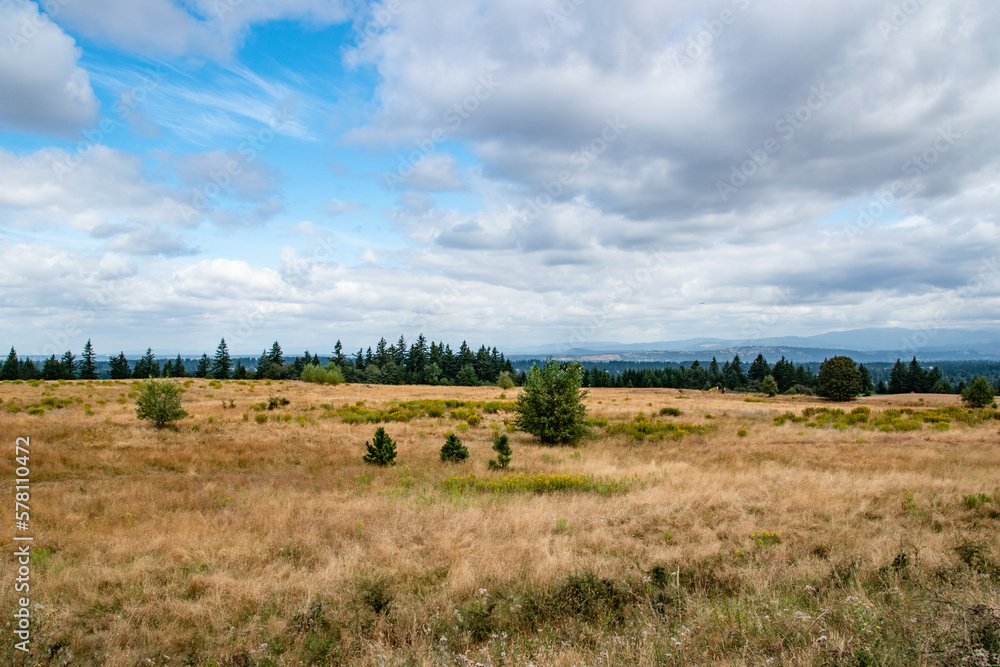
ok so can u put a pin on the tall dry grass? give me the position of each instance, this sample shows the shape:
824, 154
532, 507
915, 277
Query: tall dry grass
226, 541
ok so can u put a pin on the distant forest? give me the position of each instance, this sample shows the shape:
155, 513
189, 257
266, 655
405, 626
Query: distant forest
428, 362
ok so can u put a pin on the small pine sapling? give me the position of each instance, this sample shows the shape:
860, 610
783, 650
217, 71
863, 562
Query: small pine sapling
382, 450
501, 446
453, 450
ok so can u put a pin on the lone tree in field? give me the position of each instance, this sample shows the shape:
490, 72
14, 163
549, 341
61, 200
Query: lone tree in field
501, 445
160, 402
382, 450
551, 405
979, 393
839, 379
88, 368
453, 449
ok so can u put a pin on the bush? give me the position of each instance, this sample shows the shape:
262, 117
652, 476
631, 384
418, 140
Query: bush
673, 412
160, 402
501, 445
505, 381
839, 379
453, 450
769, 386
330, 374
382, 451
551, 405
979, 393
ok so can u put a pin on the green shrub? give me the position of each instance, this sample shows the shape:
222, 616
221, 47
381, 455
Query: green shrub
551, 406
329, 374
453, 450
505, 381
769, 386
260, 419
672, 412
160, 402
979, 393
975, 500
276, 401
382, 451
641, 428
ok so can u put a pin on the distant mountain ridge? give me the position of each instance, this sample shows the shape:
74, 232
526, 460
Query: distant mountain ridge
873, 344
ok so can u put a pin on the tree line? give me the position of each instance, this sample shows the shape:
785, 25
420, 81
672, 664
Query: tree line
422, 362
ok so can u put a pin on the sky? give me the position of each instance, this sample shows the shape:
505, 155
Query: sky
507, 172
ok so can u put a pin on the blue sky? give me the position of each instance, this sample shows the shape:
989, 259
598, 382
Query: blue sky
508, 172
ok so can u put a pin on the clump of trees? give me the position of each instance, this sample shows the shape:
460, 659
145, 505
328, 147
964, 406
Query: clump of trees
551, 406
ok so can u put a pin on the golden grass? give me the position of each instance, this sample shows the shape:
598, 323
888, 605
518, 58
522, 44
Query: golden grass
203, 545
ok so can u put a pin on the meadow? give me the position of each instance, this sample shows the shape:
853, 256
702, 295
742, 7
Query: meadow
690, 528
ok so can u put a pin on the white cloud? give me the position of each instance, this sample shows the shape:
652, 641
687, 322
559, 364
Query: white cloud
335, 207
44, 88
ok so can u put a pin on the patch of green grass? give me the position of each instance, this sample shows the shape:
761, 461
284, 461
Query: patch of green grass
765, 538
539, 483
641, 428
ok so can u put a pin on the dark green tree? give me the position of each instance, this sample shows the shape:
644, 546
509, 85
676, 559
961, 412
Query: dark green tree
88, 367
147, 366
67, 365
916, 378
759, 370
867, 386
240, 372
119, 368
179, 370
453, 450
979, 393
839, 379
551, 406
899, 380
204, 367
382, 450
51, 369
159, 402
222, 364
29, 371
11, 368
501, 445
467, 376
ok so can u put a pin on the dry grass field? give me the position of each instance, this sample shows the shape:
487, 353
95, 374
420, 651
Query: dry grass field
249, 536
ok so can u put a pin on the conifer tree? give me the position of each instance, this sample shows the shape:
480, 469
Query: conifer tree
204, 366
453, 450
11, 368
382, 449
222, 364
88, 368
51, 369
501, 445
120, 368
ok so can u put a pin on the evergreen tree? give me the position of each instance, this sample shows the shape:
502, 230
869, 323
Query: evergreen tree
51, 370
839, 379
453, 450
160, 402
147, 366
382, 450
222, 364
916, 378
179, 370
67, 365
359, 360
11, 368
467, 376
737, 374
715, 377
501, 446
881, 389
28, 370
338, 355
551, 406
204, 366
88, 368
979, 393
769, 386
784, 374
867, 386
899, 380
119, 368
240, 373
759, 369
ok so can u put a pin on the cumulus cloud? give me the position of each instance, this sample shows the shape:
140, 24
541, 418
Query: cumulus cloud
44, 88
